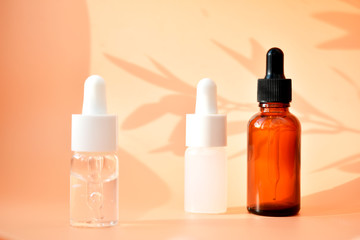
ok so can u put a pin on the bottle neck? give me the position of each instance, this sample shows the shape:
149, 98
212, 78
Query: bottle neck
274, 107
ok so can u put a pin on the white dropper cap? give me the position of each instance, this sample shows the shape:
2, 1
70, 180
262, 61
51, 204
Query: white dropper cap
94, 130
206, 128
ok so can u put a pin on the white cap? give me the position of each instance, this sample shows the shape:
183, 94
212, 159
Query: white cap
94, 130
206, 128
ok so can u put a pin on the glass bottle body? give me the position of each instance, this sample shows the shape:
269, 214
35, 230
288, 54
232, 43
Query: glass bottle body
205, 180
94, 189
274, 161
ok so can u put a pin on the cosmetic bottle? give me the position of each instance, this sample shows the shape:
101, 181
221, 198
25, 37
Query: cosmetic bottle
94, 164
205, 157
274, 146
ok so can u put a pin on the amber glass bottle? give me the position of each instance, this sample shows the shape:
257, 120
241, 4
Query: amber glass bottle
274, 146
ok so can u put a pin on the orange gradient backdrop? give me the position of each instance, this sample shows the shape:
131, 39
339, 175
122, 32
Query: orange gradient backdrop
152, 54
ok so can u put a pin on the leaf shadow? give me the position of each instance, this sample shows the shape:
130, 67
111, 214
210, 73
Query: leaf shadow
167, 80
308, 113
349, 164
254, 63
348, 80
176, 143
147, 113
179, 104
347, 23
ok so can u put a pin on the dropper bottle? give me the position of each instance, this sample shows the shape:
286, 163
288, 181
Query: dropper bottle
274, 145
94, 164
205, 157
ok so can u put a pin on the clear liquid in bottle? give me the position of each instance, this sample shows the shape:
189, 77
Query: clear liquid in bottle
93, 190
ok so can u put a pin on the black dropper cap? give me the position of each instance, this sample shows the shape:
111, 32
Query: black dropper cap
274, 87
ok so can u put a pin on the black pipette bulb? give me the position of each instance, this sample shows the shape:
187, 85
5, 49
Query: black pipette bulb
274, 87
275, 64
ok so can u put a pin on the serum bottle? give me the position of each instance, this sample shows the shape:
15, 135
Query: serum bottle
94, 165
205, 157
274, 146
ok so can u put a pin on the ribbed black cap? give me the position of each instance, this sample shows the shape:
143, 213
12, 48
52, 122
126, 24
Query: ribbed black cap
274, 87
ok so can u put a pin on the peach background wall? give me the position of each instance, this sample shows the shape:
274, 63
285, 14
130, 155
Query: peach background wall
152, 54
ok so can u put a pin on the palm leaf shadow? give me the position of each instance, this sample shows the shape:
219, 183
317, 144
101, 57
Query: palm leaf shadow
349, 164
176, 142
345, 21
355, 3
179, 103
254, 64
147, 113
309, 113
169, 81
348, 79
136, 119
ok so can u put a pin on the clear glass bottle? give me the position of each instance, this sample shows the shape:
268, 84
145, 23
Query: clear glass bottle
93, 189
94, 165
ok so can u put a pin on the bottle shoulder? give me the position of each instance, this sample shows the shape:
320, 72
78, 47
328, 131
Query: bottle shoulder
254, 118
260, 119
94, 154
294, 119
85, 157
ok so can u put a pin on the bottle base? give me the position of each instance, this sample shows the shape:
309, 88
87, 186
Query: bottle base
92, 224
274, 211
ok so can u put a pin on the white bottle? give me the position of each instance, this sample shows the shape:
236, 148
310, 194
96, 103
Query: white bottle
205, 157
94, 165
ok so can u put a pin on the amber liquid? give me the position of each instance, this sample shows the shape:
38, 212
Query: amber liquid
274, 161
